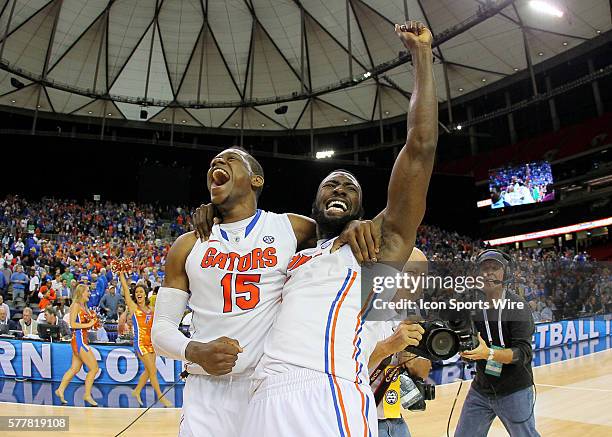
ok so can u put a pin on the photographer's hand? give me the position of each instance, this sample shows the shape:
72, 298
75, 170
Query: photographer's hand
416, 366
406, 334
480, 353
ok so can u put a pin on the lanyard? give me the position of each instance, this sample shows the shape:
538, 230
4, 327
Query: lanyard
499, 324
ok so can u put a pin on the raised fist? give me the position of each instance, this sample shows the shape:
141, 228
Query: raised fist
414, 34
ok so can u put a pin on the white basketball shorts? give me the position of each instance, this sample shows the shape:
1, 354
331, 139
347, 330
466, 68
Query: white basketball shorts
214, 406
306, 403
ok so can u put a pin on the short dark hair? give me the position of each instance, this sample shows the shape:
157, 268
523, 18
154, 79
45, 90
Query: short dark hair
50, 310
343, 171
255, 167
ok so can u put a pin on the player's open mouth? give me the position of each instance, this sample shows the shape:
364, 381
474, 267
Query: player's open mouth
336, 205
219, 177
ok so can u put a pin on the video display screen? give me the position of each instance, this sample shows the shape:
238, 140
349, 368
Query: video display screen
521, 185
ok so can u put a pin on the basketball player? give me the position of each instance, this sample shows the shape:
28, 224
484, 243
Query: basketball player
313, 377
235, 279
81, 319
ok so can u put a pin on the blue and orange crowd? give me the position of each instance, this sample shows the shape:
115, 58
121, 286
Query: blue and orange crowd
49, 246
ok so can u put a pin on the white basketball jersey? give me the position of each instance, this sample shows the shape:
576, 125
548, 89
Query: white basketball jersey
236, 279
320, 324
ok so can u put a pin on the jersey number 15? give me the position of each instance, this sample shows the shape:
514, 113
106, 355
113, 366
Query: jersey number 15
245, 291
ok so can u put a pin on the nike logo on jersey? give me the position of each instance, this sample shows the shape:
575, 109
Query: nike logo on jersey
256, 259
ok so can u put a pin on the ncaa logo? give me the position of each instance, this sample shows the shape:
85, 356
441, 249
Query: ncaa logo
326, 244
269, 239
391, 397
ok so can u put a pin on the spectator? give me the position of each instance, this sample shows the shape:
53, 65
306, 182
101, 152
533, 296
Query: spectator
63, 291
110, 301
47, 295
7, 310
52, 319
61, 307
537, 317
18, 248
546, 313
3, 283
607, 303
67, 276
5, 325
71, 288
18, 283
592, 306
6, 272
124, 324
94, 297
34, 282
28, 326
56, 283
153, 296
99, 335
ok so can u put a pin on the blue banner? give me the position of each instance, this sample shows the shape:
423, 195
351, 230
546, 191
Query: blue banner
37, 360
106, 395
570, 331
42, 361
451, 372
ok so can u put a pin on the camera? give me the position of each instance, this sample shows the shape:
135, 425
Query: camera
414, 392
443, 339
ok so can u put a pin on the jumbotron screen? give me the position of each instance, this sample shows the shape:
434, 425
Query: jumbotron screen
521, 185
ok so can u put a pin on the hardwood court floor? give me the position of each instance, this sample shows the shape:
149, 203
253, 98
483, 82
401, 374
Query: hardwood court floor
574, 399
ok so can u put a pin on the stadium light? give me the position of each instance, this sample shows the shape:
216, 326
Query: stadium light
459, 127
551, 232
367, 74
325, 154
546, 8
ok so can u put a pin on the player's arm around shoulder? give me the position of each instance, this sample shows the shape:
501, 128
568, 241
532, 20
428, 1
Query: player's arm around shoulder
305, 230
360, 235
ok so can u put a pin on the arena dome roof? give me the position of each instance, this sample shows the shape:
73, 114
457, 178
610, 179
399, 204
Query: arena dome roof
236, 63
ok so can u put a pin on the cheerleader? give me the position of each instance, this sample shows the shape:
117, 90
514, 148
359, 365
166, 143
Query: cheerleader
138, 305
81, 320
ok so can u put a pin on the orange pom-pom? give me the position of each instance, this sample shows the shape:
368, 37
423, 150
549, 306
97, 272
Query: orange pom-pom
121, 265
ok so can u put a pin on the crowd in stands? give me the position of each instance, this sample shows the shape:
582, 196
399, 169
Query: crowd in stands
50, 246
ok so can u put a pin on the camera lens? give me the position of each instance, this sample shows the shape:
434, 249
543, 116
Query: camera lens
443, 343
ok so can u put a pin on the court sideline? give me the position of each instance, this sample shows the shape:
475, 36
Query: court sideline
573, 398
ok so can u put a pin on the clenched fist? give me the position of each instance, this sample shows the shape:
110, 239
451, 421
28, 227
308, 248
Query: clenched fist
414, 34
217, 357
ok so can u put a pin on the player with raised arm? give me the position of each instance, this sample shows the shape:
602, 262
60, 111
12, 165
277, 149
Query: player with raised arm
232, 282
313, 376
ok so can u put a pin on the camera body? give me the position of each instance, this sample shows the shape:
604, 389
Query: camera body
414, 392
444, 339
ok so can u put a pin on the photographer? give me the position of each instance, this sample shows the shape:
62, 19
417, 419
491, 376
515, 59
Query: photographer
389, 358
386, 357
503, 385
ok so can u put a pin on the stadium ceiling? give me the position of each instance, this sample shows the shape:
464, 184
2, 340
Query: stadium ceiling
236, 64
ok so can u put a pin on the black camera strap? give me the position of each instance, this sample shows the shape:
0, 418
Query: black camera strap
381, 367
386, 379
